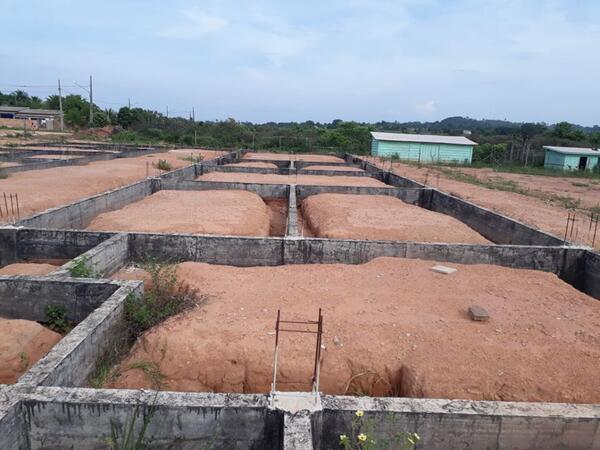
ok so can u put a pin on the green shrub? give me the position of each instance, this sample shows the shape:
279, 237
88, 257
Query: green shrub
166, 298
57, 319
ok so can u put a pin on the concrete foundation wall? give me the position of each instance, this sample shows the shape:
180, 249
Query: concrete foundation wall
263, 190
83, 419
493, 226
74, 358
104, 260
590, 274
26, 297
8, 246
79, 214
228, 250
241, 169
462, 424
55, 244
413, 196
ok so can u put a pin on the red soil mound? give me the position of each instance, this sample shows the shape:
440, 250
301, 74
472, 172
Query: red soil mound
263, 165
391, 326
239, 213
27, 269
336, 168
342, 216
22, 344
39, 190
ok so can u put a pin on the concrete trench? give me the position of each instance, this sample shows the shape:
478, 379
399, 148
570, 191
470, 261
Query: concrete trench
49, 407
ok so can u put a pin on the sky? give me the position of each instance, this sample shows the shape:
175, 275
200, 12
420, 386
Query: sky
363, 60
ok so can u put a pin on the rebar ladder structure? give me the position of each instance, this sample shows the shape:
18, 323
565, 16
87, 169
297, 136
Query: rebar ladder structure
319, 332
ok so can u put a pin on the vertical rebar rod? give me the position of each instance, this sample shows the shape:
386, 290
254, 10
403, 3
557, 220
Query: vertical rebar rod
275, 356
12, 208
595, 230
567, 228
572, 225
18, 211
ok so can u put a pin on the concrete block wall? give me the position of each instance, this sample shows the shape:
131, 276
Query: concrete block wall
80, 213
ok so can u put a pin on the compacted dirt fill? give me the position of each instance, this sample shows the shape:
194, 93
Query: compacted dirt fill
22, 344
336, 168
28, 269
261, 165
39, 190
391, 326
238, 213
344, 216
278, 209
314, 180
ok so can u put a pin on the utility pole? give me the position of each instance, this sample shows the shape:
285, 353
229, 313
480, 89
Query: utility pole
193, 115
129, 103
62, 120
167, 112
91, 104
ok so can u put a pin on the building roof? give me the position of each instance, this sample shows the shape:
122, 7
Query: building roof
424, 138
29, 111
581, 151
11, 109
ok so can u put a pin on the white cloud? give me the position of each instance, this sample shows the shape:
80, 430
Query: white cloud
428, 107
195, 25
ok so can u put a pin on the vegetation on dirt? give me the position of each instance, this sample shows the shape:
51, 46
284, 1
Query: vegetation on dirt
167, 297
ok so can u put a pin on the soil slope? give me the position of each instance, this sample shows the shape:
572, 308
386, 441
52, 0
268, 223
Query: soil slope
391, 326
238, 213
342, 216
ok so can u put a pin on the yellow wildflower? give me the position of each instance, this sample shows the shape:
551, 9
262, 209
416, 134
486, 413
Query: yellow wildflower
362, 437
359, 413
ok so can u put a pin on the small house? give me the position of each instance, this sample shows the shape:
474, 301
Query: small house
570, 158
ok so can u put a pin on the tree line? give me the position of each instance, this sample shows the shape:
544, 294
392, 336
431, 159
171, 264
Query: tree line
500, 141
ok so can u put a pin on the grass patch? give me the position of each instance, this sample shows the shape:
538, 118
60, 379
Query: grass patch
195, 159
151, 371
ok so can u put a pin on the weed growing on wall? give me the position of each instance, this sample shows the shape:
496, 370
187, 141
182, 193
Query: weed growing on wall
57, 319
81, 269
362, 436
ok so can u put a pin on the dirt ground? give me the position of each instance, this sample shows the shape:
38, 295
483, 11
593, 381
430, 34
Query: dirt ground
342, 216
9, 164
391, 327
22, 344
28, 268
227, 212
335, 168
293, 157
278, 211
263, 165
322, 180
538, 213
39, 190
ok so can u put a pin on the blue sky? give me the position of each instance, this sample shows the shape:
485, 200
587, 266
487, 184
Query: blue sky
362, 60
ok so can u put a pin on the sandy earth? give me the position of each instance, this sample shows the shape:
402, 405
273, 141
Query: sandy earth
343, 216
263, 165
39, 190
278, 210
22, 344
227, 212
586, 190
28, 269
530, 210
292, 157
391, 326
336, 168
322, 180
9, 164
